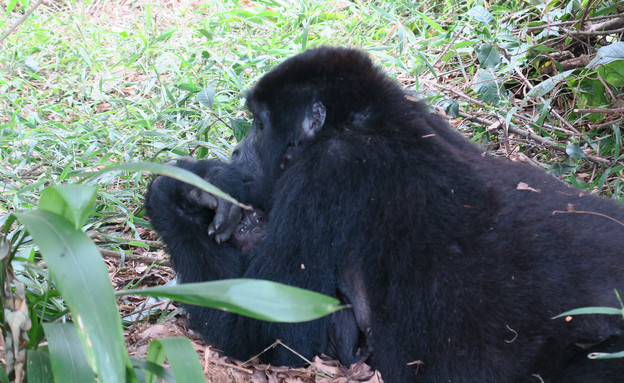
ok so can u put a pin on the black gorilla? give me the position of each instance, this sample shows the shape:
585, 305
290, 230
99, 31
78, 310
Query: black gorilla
250, 231
452, 265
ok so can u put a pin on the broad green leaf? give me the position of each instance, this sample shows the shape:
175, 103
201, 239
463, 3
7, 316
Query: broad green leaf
205, 33
481, 14
486, 86
547, 85
574, 151
74, 202
78, 271
613, 73
173, 172
239, 128
153, 368
265, 300
67, 357
608, 54
182, 358
592, 93
488, 56
592, 310
451, 107
38, 368
206, 96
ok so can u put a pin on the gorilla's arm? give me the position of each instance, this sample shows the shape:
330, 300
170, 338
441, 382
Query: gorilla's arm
183, 215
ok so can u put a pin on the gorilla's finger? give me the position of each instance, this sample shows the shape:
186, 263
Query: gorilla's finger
225, 222
208, 200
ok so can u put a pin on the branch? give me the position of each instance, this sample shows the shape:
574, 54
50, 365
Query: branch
134, 257
600, 110
31, 10
533, 137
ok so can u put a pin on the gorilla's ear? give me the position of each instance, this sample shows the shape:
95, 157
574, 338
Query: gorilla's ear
313, 121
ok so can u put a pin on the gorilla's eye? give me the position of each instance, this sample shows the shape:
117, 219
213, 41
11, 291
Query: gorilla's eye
259, 218
260, 125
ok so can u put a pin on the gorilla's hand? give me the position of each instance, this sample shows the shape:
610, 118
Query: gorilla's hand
227, 216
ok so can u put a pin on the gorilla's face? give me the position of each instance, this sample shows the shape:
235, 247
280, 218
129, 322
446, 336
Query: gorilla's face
273, 140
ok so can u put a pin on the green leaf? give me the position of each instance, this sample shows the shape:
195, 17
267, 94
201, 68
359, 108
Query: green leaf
68, 359
182, 358
488, 56
613, 73
608, 54
74, 202
574, 151
265, 300
173, 172
547, 85
206, 96
38, 368
78, 271
205, 33
40, 365
10, 6
591, 310
153, 368
592, 92
605, 355
240, 127
165, 35
188, 87
451, 107
481, 14
486, 86
430, 21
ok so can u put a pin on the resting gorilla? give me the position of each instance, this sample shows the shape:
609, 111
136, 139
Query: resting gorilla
453, 269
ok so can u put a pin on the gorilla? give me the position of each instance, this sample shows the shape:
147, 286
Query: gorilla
453, 262
250, 231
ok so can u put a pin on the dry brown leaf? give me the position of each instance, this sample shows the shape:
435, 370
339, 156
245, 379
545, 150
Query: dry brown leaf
525, 186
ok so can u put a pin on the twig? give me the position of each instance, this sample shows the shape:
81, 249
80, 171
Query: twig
600, 110
533, 137
448, 46
514, 129
221, 363
587, 212
275, 344
31, 10
554, 112
571, 22
602, 125
572, 63
585, 13
476, 102
594, 33
134, 257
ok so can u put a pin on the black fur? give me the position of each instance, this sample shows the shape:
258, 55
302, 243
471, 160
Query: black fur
447, 262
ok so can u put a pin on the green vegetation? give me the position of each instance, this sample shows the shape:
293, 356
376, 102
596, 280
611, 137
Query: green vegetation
85, 86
